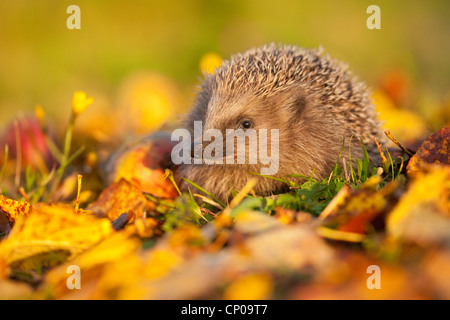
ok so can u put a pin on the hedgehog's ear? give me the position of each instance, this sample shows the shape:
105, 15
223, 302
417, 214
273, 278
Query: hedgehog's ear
297, 105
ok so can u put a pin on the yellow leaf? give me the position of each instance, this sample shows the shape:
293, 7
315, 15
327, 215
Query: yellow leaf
424, 210
253, 222
404, 124
100, 266
113, 248
257, 286
13, 208
188, 235
52, 228
161, 262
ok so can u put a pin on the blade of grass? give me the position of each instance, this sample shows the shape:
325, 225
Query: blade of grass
290, 183
196, 208
208, 200
5, 161
160, 201
391, 164
365, 163
359, 167
204, 191
53, 148
336, 166
75, 155
401, 167
352, 171
308, 178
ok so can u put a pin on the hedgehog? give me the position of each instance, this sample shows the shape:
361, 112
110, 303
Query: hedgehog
313, 101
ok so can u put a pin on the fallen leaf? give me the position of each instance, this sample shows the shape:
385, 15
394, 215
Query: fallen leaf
346, 279
434, 150
252, 222
254, 286
143, 163
436, 266
12, 290
355, 211
119, 248
13, 208
405, 125
50, 229
422, 215
291, 247
119, 198
289, 216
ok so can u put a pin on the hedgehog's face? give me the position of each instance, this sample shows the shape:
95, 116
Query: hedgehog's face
251, 124
281, 110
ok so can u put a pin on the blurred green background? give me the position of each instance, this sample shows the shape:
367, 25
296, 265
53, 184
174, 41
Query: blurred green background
43, 62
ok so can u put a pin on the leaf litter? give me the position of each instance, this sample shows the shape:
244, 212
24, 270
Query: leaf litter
138, 238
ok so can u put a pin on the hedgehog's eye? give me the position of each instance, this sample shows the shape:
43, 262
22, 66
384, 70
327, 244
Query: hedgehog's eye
246, 124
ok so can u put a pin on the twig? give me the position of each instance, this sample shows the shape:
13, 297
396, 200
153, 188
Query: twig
388, 134
24, 195
380, 151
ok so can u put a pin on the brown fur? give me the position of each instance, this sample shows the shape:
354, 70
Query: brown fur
312, 99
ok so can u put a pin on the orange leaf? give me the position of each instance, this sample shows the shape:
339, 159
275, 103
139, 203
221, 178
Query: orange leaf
143, 163
121, 197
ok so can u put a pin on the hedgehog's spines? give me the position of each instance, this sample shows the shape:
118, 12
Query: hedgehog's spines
271, 68
313, 99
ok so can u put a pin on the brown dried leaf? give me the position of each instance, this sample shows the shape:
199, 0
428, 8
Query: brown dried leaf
434, 150
121, 197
